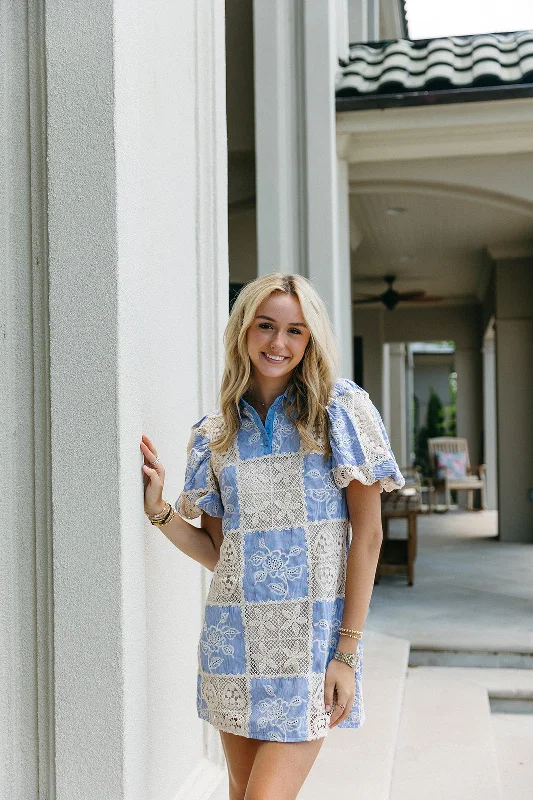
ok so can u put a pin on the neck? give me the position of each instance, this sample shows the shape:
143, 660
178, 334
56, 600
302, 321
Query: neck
265, 392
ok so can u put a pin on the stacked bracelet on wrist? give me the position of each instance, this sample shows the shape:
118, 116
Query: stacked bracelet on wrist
351, 659
163, 517
350, 633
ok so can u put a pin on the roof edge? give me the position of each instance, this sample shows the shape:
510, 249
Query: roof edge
436, 97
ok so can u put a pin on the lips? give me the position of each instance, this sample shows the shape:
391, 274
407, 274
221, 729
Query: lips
274, 360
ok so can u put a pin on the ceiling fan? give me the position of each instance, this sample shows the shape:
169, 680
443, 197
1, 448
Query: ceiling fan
390, 297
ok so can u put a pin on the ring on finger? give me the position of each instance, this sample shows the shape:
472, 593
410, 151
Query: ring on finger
153, 463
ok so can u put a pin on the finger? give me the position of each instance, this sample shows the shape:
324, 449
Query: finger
329, 687
149, 454
344, 706
337, 712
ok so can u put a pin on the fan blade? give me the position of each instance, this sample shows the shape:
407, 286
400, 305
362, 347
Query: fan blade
363, 295
429, 299
375, 299
411, 295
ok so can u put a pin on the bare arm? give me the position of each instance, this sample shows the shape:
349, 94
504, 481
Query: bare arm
201, 544
364, 507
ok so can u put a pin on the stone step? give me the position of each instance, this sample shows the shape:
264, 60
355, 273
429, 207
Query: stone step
513, 735
474, 658
358, 763
445, 748
501, 684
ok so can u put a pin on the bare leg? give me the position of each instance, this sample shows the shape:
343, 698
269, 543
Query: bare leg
240, 753
280, 769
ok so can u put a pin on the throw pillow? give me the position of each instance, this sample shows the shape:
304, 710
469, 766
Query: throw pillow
450, 465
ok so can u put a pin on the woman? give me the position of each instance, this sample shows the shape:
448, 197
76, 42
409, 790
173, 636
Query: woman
292, 460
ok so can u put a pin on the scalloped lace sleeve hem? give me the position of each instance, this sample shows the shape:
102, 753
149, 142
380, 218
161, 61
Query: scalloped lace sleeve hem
192, 504
345, 473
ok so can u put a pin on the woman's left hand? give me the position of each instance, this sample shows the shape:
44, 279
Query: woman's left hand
339, 690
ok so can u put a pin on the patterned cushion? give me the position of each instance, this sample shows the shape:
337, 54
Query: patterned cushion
450, 465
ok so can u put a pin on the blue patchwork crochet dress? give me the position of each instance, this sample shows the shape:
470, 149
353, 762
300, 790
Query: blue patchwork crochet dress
276, 597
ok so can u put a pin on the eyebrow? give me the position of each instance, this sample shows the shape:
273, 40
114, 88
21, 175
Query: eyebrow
263, 316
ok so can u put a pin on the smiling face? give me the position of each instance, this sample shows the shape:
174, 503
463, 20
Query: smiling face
277, 339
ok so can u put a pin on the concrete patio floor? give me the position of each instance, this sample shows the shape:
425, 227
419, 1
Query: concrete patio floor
470, 591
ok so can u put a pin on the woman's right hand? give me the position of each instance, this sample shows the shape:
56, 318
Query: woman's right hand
153, 478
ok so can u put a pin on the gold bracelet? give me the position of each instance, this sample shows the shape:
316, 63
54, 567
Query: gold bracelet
351, 659
350, 631
162, 514
170, 515
350, 636
163, 517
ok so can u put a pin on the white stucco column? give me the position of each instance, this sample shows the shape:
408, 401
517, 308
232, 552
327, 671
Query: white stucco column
138, 296
409, 399
398, 402
358, 19
489, 418
468, 366
344, 273
279, 136
514, 382
385, 379
302, 190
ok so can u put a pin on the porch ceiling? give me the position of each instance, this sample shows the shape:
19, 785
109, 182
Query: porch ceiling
437, 244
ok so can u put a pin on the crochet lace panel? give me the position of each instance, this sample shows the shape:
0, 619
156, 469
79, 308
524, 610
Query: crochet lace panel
228, 700
279, 641
226, 583
271, 493
327, 558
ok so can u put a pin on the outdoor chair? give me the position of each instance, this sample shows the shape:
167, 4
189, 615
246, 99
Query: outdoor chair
451, 462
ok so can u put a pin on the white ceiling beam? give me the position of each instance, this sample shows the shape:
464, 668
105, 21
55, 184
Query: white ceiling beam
462, 129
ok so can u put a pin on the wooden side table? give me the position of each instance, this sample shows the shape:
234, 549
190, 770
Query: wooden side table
397, 556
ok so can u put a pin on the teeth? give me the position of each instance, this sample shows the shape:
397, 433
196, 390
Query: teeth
274, 358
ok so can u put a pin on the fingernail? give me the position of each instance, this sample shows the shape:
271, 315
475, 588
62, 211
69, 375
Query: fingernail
328, 709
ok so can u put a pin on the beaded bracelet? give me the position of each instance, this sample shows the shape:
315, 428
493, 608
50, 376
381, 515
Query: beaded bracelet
351, 633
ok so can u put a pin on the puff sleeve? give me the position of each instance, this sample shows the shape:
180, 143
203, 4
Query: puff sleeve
201, 491
359, 442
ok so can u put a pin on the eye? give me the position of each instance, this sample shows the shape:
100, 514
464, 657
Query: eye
265, 325
295, 330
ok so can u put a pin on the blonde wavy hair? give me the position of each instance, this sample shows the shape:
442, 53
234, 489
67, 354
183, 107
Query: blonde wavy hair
313, 378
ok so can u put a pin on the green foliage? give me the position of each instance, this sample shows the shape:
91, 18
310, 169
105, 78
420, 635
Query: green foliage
451, 410
435, 426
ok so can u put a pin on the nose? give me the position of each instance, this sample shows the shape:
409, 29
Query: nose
277, 342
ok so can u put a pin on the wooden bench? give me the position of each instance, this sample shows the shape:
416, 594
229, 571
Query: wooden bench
397, 556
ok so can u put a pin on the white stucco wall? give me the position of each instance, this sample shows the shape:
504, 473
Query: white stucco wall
132, 292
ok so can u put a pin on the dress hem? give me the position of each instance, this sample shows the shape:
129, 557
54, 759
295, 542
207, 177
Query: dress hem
225, 729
